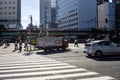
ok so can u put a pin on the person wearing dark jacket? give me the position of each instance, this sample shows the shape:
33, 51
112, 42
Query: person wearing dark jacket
76, 43
20, 46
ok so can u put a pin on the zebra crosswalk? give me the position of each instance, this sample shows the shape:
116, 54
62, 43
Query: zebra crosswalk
43, 69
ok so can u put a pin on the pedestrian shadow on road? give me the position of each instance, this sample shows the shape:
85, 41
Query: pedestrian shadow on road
107, 58
14, 50
5, 47
27, 53
53, 52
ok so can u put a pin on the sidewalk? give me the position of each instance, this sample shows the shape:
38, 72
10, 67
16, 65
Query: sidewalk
9, 49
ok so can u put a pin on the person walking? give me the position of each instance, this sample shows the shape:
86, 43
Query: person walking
5, 42
26, 45
20, 45
16, 46
76, 43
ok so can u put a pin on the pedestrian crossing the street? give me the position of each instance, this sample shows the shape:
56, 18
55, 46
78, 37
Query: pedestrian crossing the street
43, 69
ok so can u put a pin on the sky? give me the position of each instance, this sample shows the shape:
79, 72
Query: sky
29, 7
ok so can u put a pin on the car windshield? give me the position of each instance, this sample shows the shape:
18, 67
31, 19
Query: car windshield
93, 42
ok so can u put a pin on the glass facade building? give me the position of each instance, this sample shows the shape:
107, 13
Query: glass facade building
76, 14
47, 14
117, 14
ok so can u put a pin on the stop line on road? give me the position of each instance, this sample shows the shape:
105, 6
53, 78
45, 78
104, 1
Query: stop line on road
45, 69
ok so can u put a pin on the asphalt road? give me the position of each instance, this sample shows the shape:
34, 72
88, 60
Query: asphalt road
71, 64
107, 65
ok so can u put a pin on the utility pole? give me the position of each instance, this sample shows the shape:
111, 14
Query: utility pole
31, 19
31, 27
31, 22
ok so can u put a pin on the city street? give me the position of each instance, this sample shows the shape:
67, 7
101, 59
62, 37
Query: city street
37, 39
71, 64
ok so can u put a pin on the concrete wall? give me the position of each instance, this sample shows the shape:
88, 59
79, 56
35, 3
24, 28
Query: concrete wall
106, 15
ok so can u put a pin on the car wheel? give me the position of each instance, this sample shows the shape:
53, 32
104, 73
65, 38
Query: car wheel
45, 50
63, 48
98, 54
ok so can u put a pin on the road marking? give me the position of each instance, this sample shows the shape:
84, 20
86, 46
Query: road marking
58, 76
70, 60
32, 66
38, 69
98, 78
34, 63
47, 72
45, 69
23, 62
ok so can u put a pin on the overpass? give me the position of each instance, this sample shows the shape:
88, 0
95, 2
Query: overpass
81, 34
53, 32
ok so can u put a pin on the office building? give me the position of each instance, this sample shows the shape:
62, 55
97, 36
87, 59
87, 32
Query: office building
10, 13
106, 16
47, 13
117, 13
54, 24
77, 14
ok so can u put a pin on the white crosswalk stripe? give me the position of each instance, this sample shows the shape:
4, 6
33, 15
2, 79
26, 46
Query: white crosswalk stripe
99, 78
42, 73
61, 76
40, 63
31, 66
44, 69
33, 69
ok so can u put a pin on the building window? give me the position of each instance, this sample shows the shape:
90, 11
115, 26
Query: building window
1, 13
5, 3
14, 2
9, 7
5, 7
14, 7
5, 13
9, 2
9, 13
1, 2
13, 12
1, 8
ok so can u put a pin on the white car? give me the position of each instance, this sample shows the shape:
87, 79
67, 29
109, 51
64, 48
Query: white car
89, 40
101, 47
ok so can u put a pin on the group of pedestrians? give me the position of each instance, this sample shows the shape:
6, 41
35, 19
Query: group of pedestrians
18, 45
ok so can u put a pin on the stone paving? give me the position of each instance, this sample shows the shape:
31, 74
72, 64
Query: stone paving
9, 49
